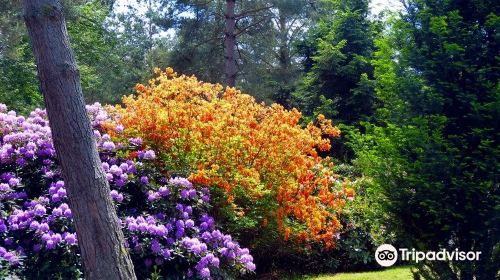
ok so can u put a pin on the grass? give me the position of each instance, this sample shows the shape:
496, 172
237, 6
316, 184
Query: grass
397, 273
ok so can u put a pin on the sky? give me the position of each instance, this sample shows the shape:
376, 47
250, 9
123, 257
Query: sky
121, 5
376, 6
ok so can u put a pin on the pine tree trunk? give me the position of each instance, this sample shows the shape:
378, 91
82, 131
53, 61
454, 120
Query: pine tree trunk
230, 44
100, 238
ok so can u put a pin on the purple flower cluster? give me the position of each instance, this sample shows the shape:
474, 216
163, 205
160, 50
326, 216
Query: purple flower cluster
186, 232
165, 221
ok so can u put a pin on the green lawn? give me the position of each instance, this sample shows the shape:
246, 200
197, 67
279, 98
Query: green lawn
398, 273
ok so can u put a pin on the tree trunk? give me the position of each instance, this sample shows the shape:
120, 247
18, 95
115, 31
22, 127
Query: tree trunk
100, 238
284, 62
230, 43
284, 59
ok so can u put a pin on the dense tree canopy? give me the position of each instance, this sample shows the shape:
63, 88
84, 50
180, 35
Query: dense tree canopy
338, 50
437, 73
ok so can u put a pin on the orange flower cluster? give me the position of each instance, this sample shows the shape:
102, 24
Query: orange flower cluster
254, 152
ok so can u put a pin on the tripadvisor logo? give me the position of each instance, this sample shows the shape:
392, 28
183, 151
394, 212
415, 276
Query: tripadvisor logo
387, 255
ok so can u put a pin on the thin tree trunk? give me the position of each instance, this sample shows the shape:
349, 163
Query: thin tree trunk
284, 62
230, 44
284, 59
100, 238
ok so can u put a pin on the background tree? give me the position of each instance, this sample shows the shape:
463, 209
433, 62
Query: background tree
18, 88
227, 21
119, 47
339, 76
100, 238
270, 60
198, 47
337, 57
434, 152
108, 59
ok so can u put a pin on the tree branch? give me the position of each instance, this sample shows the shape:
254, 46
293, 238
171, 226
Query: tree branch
248, 27
253, 11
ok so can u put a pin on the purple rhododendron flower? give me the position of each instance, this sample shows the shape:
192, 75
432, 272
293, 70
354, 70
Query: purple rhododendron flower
205, 272
149, 155
37, 217
108, 145
135, 141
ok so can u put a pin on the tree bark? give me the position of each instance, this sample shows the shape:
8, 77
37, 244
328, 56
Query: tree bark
100, 238
230, 43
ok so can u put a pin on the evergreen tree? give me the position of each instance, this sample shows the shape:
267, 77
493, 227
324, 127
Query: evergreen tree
18, 84
108, 67
339, 76
199, 45
337, 54
270, 54
434, 152
265, 34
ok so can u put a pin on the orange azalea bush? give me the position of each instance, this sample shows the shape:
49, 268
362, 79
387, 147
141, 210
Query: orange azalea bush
265, 163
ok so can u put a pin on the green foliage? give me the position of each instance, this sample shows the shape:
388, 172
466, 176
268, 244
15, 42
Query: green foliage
199, 46
337, 57
266, 32
365, 225
108, 67
273, 68
51, 265
18, 84
339, 76
433, 151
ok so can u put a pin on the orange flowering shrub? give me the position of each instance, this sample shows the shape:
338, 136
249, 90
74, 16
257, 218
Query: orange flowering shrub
266, 164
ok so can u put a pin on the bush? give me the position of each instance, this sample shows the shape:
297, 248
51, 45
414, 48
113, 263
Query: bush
364, 227
271, 182
428, 204
165, 220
